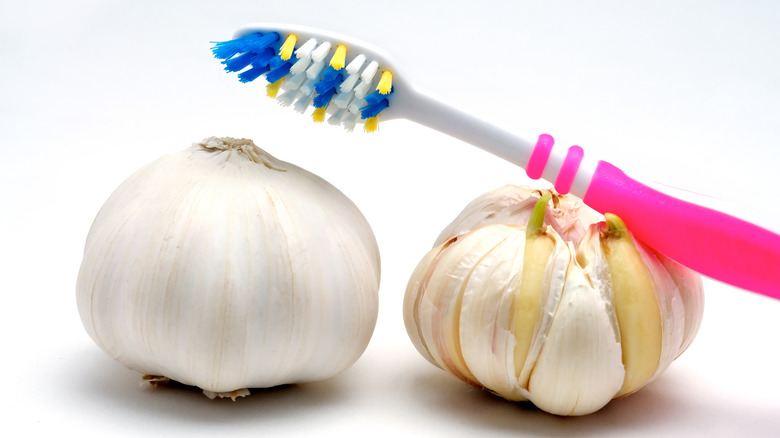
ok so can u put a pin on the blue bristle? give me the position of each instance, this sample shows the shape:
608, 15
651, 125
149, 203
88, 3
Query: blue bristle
376, 97
263, 58
331, 74
324, 85
373, 109
238, 63
252, 74
279, 72
253, 42
227, 49
322, 100
331, 78
277, 62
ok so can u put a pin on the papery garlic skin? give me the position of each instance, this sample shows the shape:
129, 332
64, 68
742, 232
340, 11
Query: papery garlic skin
511, 204
460, 307
224, 268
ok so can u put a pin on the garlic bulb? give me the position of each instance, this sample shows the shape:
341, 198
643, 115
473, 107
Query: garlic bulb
224, 268
567, 311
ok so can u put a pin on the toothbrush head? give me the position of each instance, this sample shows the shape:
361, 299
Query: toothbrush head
340, 79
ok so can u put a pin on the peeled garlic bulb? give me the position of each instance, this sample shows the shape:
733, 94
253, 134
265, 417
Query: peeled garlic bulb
224, 268
550, 304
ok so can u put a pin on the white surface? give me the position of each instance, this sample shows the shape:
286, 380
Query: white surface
684, 92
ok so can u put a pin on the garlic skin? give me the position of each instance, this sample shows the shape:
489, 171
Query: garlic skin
222, 267
511, 204
568, 315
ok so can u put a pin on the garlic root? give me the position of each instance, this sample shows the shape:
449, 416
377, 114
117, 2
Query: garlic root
233, 395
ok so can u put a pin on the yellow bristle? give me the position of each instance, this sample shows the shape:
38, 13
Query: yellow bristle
339, 57
319, 114
273, 89
385, 82
286, 51
371, 124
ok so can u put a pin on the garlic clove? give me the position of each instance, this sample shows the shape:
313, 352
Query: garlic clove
579, 368
636, 306
411, 306
691, 298
440, 301
486, 334
530, 296
670, 303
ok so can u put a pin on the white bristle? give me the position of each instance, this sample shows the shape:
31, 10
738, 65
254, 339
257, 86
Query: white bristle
294, 82
342, 99
335, 119
350, 82
305, 50
315, 69
319, 54
303, 103
308, 86
370, 71
356, 104
356, 64
288, 97
300, 65
349, 121
362, 89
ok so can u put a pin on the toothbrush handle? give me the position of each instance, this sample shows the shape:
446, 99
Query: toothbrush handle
712, 243
715, 244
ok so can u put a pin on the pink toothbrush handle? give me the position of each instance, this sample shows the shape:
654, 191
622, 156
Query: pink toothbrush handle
712, 243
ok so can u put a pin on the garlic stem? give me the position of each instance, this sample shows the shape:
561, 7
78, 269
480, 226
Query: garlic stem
614, 223
536, 221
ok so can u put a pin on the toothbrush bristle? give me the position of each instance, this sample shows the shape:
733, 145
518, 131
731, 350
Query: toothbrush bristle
371, 123
252, 74
331, 79
287, 97
286, 51
272, 89
319, 114
375, 103
240, 62
278, 72
385, 82
249, 43
354, 67
305, 49
339, 58
322, 100
316, 76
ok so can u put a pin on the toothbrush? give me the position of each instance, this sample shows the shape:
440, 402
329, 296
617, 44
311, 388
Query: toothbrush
352, 83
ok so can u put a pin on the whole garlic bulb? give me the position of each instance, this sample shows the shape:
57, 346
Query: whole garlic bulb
550, 305
224, 268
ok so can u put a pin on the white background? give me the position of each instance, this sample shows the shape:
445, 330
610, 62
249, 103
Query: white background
686, 93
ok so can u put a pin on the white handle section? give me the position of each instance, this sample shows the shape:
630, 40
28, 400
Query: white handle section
432, 112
